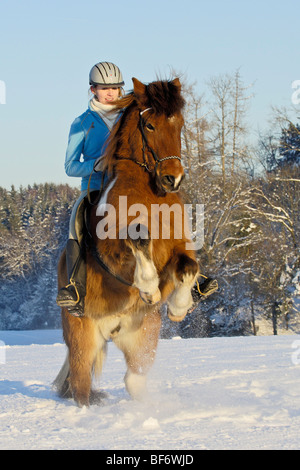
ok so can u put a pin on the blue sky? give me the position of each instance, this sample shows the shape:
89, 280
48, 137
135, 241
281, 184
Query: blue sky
48, 47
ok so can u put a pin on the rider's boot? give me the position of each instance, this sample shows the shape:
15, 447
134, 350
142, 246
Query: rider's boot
72, 296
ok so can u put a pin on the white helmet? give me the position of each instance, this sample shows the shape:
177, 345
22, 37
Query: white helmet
106, 73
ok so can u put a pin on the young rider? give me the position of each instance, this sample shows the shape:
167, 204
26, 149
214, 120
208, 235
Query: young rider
87, 138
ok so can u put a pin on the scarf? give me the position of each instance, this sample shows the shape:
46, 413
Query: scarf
104, 111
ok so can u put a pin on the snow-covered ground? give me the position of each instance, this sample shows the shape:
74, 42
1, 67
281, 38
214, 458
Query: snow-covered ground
212, 393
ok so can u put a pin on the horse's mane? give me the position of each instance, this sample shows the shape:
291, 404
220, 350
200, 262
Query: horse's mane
163, 97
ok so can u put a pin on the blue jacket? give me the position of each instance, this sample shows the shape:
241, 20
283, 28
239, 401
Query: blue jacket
87, 138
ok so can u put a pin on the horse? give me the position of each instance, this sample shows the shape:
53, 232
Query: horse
132, 269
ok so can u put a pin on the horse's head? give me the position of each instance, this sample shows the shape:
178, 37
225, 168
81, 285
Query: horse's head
160, 121
148, 132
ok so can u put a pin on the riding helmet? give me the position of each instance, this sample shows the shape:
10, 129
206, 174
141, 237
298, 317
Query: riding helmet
107, 74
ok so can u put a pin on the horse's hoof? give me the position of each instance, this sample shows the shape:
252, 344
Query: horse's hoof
177, 318
97, 397
151, 299
82, 403
81, 400
135, 385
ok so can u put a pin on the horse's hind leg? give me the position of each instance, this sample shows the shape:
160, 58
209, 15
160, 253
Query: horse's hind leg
82, 339
139, 347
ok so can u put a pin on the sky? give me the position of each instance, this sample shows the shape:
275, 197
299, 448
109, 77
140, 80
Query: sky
47, 49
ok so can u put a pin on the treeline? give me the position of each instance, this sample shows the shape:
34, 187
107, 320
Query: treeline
33, 231
251, 197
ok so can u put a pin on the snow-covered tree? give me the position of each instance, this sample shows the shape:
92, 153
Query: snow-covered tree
33, 231
289, 149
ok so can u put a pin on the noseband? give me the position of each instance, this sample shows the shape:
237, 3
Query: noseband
145, 144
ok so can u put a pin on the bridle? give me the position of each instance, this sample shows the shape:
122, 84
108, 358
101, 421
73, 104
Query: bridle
157, 160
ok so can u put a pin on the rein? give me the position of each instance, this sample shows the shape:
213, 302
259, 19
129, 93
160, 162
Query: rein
97, 256
92, 247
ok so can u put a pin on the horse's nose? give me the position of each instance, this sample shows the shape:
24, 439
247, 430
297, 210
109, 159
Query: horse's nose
169, 180
170, 183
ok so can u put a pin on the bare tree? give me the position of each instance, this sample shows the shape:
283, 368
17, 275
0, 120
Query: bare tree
229, 109
239, 129
196, 126
222, 114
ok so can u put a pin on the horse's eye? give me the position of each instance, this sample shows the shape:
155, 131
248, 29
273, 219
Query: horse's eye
149, 127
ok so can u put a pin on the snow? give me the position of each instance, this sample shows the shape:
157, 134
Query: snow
204, 393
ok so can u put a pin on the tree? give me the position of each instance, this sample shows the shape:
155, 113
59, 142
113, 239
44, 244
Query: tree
33, 231
228, 131
289, 149
276, 209
280, 148
195, 149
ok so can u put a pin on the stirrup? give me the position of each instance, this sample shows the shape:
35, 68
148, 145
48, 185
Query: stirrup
75, 308
68, 302
208, 287
73, 284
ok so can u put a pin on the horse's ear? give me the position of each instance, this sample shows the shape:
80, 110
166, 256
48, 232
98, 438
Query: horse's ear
177, 83
139, 90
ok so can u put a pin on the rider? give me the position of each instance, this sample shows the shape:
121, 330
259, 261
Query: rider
87, 138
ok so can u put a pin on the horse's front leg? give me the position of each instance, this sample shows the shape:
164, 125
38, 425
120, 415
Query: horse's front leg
145, 274
138, 341
185, 270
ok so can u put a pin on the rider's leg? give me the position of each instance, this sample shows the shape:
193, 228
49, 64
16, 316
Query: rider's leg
72, 295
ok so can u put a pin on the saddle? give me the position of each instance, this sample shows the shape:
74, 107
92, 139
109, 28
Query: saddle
82, 218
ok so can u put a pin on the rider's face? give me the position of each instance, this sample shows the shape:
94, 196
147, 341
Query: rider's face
105, 95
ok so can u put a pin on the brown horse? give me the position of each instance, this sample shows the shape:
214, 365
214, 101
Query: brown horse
134, 263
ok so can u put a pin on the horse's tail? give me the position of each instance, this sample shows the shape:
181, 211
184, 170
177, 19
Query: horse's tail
61, 384
99, 360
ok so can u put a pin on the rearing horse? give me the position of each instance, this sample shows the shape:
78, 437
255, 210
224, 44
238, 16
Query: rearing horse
134, 263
